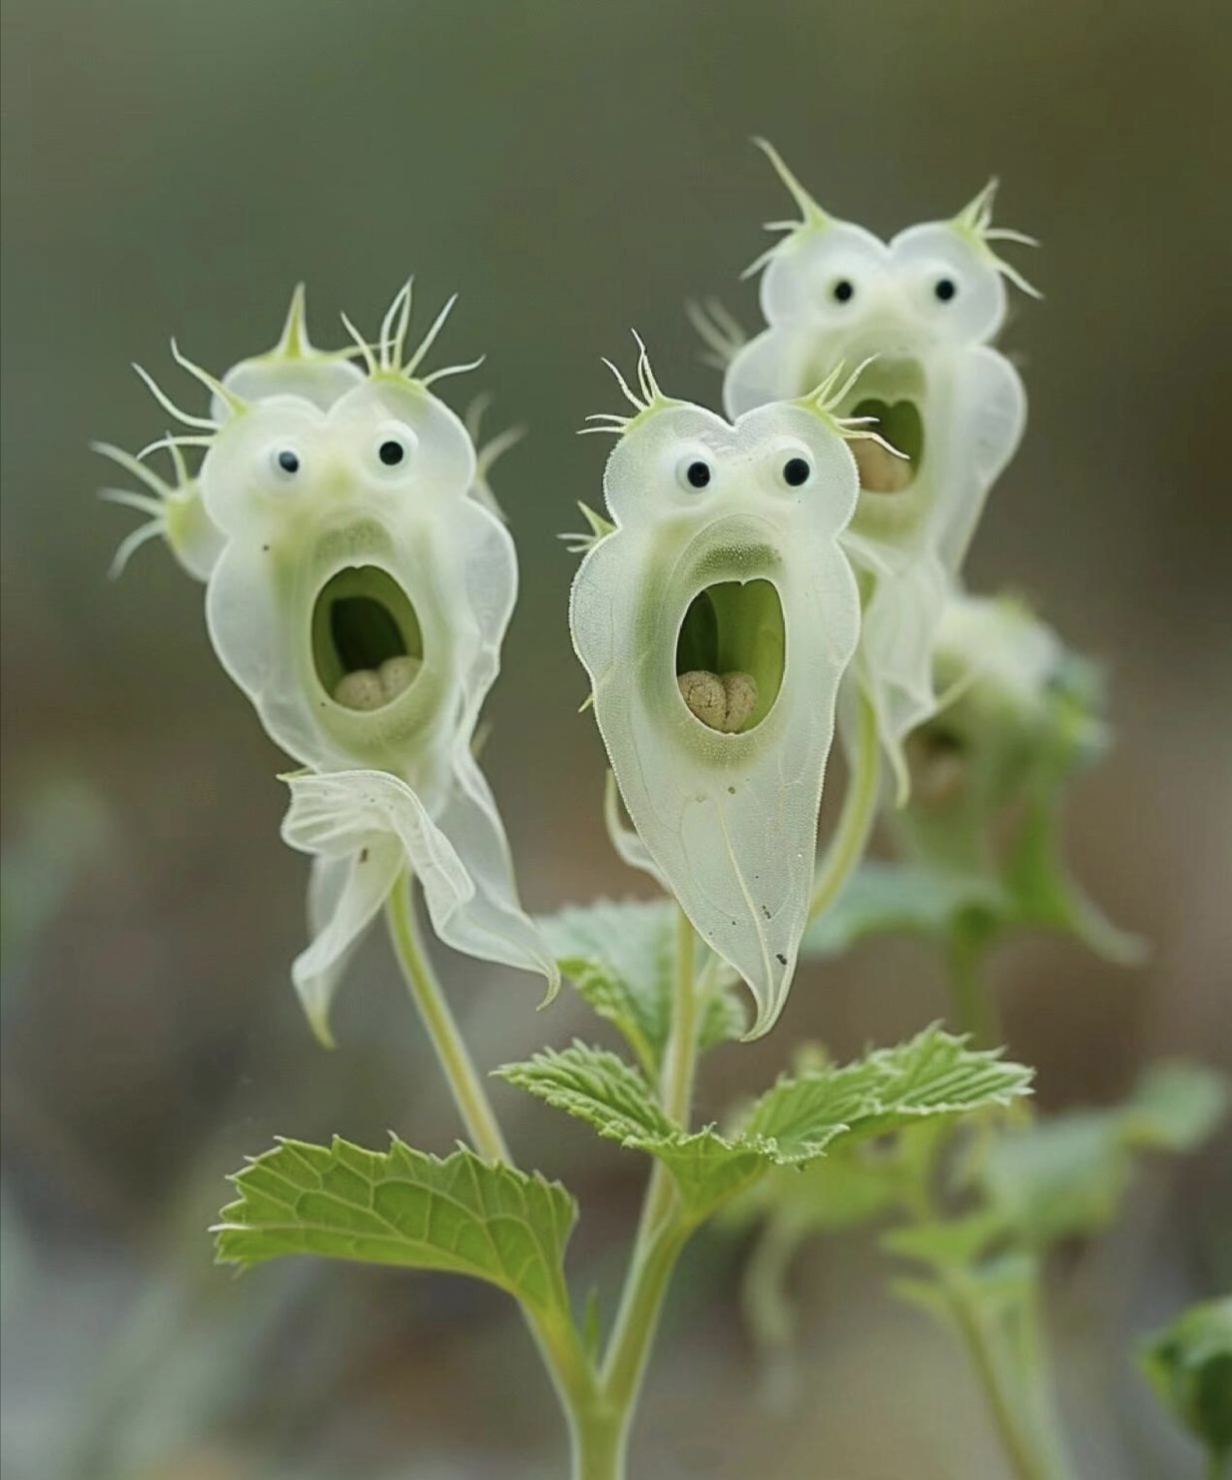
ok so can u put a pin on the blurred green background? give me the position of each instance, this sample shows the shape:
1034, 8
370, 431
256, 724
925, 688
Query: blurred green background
573, 170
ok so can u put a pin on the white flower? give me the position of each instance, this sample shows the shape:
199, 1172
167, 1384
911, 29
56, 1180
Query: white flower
360, 599
922, 309
996, 642
715, 620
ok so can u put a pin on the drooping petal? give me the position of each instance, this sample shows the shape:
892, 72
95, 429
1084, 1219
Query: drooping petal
495, 926
362, 816
344, 896
895, 666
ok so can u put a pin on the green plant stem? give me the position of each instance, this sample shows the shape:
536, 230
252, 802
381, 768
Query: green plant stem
557, 1340
1043, 1416
663, 1231
846, 846
982, 1353
468, 1089
1023, 1412
974, 1007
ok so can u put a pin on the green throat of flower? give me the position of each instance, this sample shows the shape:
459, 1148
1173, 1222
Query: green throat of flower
902, 426
367, 646
730, 655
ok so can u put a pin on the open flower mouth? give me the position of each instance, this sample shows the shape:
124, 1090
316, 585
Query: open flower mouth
367, 645
902, 426
730, 655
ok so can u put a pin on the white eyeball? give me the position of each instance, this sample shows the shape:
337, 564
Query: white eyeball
695, 472
393, 448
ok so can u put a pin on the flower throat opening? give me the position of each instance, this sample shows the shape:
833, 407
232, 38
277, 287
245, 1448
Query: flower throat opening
902, 426
366, 641
730, 654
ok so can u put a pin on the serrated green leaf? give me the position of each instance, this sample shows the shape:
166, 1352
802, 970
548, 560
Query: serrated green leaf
403, 1207
900, 899
597, 1086
620, 956
1190, 1367
933, 1074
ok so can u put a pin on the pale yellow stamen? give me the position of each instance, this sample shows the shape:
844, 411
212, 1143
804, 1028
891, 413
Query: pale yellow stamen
723, 701
360, 690
880, 471
365, 689
398, 674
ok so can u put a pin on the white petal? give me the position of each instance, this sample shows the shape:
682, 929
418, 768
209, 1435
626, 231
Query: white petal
898, 636
625, 840
472, 903
492, 925
776, 365
990, 415
344, 896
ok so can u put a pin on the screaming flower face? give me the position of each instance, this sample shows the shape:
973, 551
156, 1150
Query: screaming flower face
715, 621
918, 312
359, 595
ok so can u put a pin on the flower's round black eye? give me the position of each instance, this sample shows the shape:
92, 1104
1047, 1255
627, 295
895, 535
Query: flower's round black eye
843, 291
288, 461
945, 289
391, 453
698, 474
796, 471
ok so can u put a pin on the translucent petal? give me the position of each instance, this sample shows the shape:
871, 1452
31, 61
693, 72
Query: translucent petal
625, 840
344, 896
494, 926
729, 819
468, 889
989, 418
901, 620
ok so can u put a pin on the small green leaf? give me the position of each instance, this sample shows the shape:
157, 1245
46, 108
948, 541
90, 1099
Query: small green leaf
1062, 1176
934, 1073
795, 1122
403, 1207
900, 899
621, 957
597, 1086
1175, 1106
1190, 1367
956, 1243
1067, 1175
